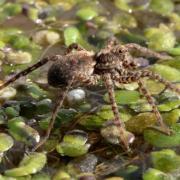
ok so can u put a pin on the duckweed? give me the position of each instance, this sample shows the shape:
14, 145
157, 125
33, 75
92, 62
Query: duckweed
174, 51
7, 93
61, 175
31, 30
11, 9
156, 175
125, 20
171, 117
6, 142
125, 97
30, 164
167, 72
22, 132
73, 35
19, 57
46, 37
169, 105
164, 7
137, 124
159, 139
160, 39
122, 4
86, 13
165, 160
74, 144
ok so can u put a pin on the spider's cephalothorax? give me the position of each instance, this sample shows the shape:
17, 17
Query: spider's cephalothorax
114, 63
112, 59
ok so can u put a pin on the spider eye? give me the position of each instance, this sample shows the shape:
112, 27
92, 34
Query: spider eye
73, 46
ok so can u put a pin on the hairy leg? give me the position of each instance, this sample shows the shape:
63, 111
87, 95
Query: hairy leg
73, 46
124, 78
151, 101
145, 51
154, 76
29, 70
92, 80
110, 88
136, 77
117, 121
57, 106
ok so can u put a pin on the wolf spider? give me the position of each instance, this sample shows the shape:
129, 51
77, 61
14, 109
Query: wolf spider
114, 63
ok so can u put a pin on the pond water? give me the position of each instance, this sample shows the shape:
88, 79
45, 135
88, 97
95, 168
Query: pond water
80, 145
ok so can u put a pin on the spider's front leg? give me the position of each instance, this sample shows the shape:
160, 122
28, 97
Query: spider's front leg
125, 137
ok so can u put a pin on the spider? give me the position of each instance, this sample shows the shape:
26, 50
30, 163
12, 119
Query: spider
113, 63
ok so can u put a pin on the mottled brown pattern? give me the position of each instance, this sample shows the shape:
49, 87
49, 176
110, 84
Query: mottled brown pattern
114, 63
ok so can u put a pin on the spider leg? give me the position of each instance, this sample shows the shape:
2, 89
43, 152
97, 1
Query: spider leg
29, 70
117, 121
145, 51
136, 77
125, 79
151, 101
92, 80
57, 106
73, 46
154, 76
110, 88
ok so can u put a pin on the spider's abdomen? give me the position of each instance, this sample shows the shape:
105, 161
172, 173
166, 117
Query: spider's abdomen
58, 76
74, 66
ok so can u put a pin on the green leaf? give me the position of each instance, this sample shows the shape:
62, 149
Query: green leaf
160, 39
73, 35
137, 124
86, 14
154, 174
125, 97
30, 164
73, 144
22, 132
158, 139
6, 142
164, 7
168, 73
165, 160
169, 105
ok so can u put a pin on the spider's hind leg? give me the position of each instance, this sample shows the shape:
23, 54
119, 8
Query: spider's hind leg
151, 101
157, 77
57, 106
